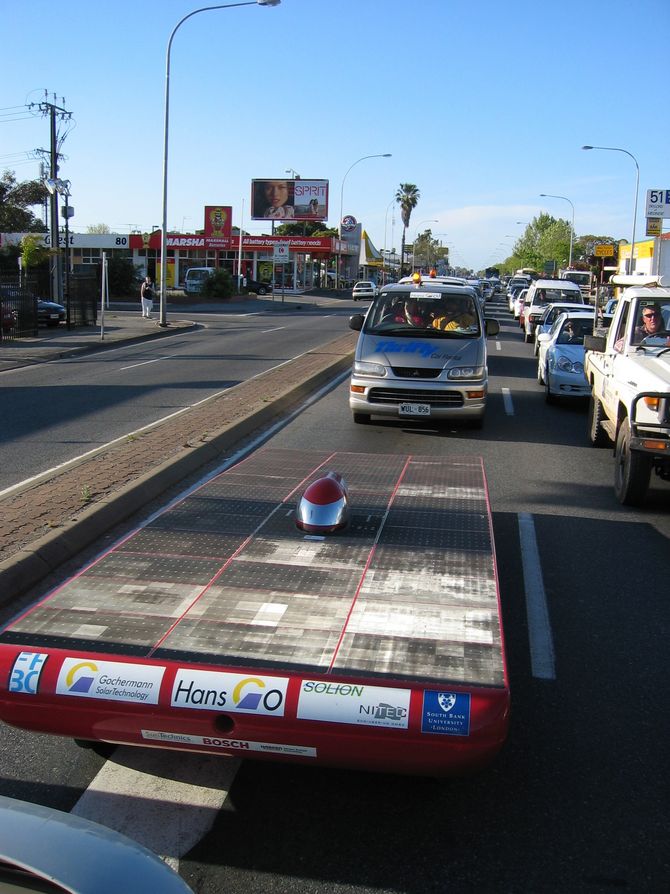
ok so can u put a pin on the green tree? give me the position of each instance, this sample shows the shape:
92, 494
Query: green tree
218, 285
15, 201
305, 228
407, 196
33, 251
123, 277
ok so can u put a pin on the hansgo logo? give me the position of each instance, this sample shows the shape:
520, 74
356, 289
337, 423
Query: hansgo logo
230, 692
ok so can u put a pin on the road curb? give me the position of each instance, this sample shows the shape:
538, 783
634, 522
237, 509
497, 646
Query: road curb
30, 565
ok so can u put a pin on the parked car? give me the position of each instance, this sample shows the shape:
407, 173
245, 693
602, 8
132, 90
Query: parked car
49, 312
560, 359
258, 287
8, 318
364, 289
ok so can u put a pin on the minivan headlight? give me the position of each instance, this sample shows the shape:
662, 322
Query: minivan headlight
363, 368
466, 372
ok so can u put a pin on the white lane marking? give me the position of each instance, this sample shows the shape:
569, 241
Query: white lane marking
539, 626
165, 800
76, 459
146, 362
498, 346
507, 400
276, 329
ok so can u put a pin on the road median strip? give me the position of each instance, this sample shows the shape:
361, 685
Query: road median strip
52, 520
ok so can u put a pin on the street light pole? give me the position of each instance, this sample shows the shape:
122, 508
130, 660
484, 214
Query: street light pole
546, 195
631, 268
339, 225
163, 295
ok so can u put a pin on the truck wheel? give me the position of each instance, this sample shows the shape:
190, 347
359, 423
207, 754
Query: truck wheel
598, 437
632, 470
362, 418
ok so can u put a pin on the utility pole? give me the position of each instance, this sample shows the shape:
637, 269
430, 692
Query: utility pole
54, 112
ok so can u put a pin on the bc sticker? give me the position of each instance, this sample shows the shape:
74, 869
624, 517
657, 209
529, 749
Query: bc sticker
26, 672
446, 712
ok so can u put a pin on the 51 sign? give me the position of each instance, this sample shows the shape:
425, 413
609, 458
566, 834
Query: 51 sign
658, 203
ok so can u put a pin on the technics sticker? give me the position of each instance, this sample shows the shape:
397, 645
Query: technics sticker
353, 703
211, 690
110, 680
446, 712
233, 744
26, 671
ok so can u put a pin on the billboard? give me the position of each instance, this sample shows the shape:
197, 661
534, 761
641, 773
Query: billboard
218, 221
287, 200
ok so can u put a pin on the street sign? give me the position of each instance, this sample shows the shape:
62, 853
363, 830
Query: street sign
604, 251
654, 226
280, 253
658, 203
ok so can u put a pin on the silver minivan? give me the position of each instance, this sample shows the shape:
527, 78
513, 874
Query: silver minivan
421, 354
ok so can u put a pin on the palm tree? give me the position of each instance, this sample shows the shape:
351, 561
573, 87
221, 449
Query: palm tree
407, 197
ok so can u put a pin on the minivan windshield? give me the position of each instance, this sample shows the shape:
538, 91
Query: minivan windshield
551, 296
415, 313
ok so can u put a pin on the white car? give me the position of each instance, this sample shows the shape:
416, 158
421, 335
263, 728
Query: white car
550, 315
519, 302
548, 291
363, 290
560, 359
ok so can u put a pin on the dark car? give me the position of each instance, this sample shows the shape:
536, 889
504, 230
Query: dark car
260, 288
49, 312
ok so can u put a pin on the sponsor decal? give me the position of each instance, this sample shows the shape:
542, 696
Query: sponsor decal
235, 693
423, 348
110, 680
231, 744
354, 703
447, 713
26, 671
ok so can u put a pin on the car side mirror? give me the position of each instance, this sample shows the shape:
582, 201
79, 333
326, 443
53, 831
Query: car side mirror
542, 336
492, 327
356, 322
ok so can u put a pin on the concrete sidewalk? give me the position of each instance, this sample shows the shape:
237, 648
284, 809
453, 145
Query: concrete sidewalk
50, 520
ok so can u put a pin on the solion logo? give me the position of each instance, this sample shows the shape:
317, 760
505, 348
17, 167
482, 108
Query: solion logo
77, 680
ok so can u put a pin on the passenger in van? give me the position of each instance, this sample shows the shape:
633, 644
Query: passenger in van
417, 316
456, 315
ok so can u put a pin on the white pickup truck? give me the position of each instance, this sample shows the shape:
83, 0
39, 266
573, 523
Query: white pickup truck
629, 373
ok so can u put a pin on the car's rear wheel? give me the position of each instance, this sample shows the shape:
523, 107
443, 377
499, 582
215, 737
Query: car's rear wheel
598, 437
362, 418
632, 470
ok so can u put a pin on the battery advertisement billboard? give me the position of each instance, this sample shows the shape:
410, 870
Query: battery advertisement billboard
287, 200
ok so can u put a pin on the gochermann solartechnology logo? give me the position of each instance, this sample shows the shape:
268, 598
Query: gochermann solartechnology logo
110, 680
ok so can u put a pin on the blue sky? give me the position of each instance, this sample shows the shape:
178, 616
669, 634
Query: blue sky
484, 105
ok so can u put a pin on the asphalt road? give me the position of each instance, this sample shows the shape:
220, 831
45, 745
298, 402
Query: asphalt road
577, 800
56, 411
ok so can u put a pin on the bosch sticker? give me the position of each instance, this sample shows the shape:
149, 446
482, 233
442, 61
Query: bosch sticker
231, 744
447, 713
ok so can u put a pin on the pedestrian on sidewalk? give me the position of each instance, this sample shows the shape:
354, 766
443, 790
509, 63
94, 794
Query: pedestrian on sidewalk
147, 297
